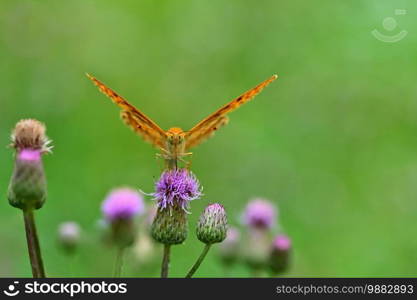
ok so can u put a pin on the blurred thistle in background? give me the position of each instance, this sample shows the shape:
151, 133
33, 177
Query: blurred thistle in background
229, 249
120, 208
69, 236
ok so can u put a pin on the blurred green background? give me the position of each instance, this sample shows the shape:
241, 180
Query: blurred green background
332, 142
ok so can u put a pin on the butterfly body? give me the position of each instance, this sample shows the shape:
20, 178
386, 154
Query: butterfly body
175, 142
175, 146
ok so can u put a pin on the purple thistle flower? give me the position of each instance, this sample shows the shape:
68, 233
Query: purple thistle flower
176, 187
260, 213
122, 203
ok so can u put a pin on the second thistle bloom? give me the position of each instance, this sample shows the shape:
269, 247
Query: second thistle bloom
122, 203
119, 209
212, 226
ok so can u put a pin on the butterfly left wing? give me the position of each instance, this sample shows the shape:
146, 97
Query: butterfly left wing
133, 117
142, 129
206, 128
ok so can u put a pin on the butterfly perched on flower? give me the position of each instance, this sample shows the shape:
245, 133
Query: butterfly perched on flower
175, 143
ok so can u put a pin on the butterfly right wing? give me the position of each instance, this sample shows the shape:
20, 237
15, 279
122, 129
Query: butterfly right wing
206, 128
134, 118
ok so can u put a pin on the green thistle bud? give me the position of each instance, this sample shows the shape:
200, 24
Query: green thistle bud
27, 188
212, 226
170, 226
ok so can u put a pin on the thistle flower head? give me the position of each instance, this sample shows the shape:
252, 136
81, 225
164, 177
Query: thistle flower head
260, 213
176, 187
27, 188
122, 203
212, 225
119, 209
69, 235
30, 134
280, 254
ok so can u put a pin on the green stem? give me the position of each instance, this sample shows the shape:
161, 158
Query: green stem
199, 261
33, 244
118, 264
165, 261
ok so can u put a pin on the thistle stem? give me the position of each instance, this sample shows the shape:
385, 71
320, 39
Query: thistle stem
33, 244
199, 261
165, 261
118, 264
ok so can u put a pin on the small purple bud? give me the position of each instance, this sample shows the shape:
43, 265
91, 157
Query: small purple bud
212, 226
229, 248
260, 213
280, 254
176, 187
122, 203
69, 236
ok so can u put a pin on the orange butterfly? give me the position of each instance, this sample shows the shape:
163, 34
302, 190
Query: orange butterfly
175, 142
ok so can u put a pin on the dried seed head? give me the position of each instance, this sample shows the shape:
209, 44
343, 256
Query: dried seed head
30, 134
